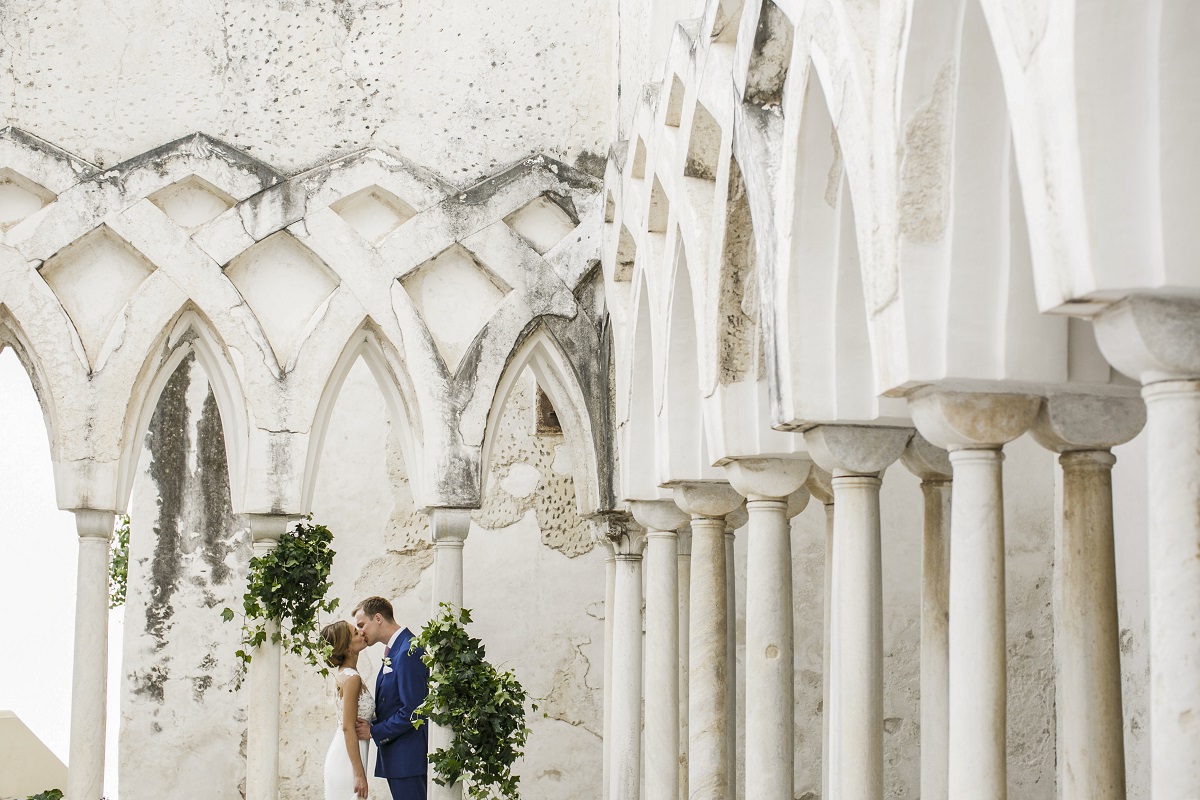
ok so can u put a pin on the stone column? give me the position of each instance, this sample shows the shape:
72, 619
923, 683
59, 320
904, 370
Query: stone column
974, 427
661, 518
610, 590
710, 774
1157, 341
856, 457
262, 736
767, 484
685, 605
1091, 740
734, 521
89, 679
448, 527
820, 486
932, 465
625, 753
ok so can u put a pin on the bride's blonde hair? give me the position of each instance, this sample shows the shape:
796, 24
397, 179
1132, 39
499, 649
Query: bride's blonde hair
338, 636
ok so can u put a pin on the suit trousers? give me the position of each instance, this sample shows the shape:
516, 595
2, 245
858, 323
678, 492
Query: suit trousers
408, 788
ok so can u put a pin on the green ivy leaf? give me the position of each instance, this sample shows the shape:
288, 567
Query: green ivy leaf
287, 587
483, 708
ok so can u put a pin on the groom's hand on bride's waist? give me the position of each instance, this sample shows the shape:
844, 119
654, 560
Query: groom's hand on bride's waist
364, 729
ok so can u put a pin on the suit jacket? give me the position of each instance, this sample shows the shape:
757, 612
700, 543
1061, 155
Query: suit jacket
402, 748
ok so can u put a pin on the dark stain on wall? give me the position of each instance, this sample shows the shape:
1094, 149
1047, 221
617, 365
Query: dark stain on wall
166, 439
212, 477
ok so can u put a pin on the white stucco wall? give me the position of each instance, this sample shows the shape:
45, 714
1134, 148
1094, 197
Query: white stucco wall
459, 87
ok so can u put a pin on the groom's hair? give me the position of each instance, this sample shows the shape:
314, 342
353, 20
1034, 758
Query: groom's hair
376, 605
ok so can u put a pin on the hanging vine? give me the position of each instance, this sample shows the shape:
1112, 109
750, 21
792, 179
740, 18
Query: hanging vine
483, 707
287, 586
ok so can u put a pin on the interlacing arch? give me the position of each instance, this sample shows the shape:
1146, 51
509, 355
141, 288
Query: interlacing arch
277, 285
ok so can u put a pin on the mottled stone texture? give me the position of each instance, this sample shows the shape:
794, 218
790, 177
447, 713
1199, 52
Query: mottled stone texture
296, 81
535, 587
188, 557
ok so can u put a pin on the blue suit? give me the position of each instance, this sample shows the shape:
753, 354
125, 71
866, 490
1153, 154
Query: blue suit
402, 756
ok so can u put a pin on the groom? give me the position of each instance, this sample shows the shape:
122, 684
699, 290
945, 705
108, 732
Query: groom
400, 687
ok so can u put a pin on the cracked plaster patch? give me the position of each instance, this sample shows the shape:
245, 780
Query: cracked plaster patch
571, 699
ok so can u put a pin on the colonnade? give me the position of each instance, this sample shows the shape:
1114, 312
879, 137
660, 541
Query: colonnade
957, 452
683, 681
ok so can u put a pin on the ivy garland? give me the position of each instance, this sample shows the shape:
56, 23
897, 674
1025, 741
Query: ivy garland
49, 794
118, 563
483, 707
287, 587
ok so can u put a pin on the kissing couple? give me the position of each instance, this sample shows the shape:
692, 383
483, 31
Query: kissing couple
386, 716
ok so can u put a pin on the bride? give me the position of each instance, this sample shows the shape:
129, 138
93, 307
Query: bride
346, 761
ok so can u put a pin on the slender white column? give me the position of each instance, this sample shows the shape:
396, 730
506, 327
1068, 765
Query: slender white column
710, 773
1157, 340
685, 605
974, 427
89, 679
661, 519
1173, 427
978, 674
733, 521
856, 456
625, 754
1090, 736
932, 465
449, 528
770, 677
820, 484
262, 736
610, 592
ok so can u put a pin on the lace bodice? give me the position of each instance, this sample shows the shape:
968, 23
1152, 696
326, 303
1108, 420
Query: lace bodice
366, 701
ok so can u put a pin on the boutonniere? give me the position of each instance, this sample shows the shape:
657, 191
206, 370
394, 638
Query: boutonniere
387, 661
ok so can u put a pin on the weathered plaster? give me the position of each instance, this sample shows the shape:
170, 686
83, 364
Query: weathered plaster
297, 82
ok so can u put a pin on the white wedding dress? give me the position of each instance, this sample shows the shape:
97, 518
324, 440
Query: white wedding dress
339, 775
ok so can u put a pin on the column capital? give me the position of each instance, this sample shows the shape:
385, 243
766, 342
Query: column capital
265, 529
820, 485
448, 525
736, 519
955, 420
623, 535
94, 523
1150, 338
927, 461
767, 478
856, 449
1069, 422
658, 515
707, 499
797, 501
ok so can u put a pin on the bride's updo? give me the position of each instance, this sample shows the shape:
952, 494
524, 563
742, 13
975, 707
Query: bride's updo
337, 635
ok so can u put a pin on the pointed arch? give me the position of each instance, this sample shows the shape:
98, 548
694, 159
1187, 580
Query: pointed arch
681, 433
368, 344
639, 473
552, 369
13, 336
190, 332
